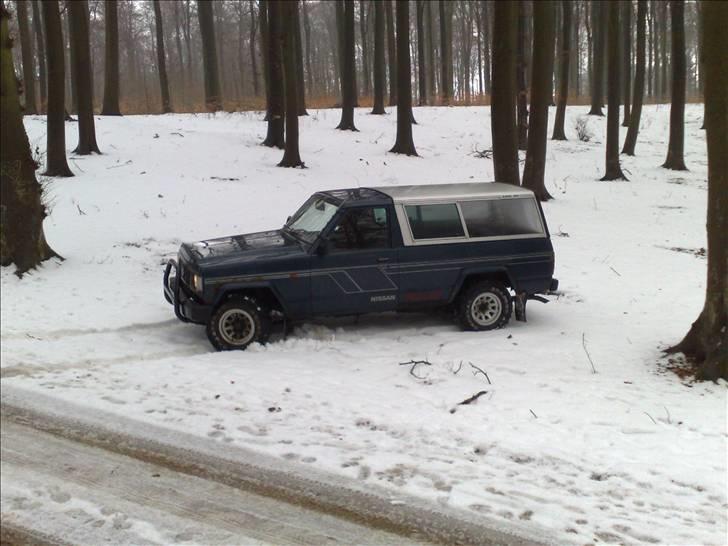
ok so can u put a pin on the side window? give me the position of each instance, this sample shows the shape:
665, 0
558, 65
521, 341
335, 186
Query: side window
499, 217
363, 228
434, 221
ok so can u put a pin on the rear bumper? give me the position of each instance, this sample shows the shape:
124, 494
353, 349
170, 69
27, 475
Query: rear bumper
186, 307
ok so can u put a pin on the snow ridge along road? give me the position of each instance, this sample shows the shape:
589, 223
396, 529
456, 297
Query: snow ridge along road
205, 476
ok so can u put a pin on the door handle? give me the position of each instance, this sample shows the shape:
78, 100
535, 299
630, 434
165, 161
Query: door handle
382, 260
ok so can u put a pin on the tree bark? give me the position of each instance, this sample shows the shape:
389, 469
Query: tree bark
111, 66
79, 23
161, 60
180, 54
379, 75
522, 105
348, 86
445, 52
40, 48
289, 23
639, 82
364, 47
430, 34
675, 149
391, 52
597, 61
613, 168
503, 93
274, 137
26, 49
541, 74
307, 32
251, 43
298, 62
663, 50
559, 133
56, 164
705, 344
22, 241
422, 68
626, 57
404, 143
265, 54
213, 96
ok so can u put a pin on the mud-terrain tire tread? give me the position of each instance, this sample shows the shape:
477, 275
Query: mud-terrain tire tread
468, 296
260, 318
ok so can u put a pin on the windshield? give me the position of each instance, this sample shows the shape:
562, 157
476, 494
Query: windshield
311, 218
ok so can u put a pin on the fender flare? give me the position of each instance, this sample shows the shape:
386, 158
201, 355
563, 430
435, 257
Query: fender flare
225, 291
480, 272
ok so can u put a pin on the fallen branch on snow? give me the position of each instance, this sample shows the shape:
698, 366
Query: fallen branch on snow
414, 364
583, 344
479, 370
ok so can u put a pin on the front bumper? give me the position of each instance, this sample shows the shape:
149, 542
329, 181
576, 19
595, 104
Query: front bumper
186, 306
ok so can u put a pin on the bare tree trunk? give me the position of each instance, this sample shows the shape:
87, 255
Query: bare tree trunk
56, 164
541, 74
40, 47
502, 104
191, 77
364, 47
180, 54
274, 136
348, 85
651, 50
613, 169
422, 72
559, 133
22, 241
79, 23
213, 96
307, 32
445, 52
251, 42
626, 56
161, 60
391, 52
705, 343
289, 19
430, 33
26, 49
663, 50
300, 84
675, 149
639, 82
379, 75
522, 106
404, 143
265, 54
597, 62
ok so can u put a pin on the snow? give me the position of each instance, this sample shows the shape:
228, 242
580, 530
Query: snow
629, 454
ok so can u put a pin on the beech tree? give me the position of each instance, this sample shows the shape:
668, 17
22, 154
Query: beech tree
626, 57
391, 52
639, 81
522, 103
22, 241
559, 133
503, 101
56, 164
421, 68
213, 95
597, 60
613, 168
300, 83
40, 49
404, 143
289, 21
379, 73
82, 74
111, 67
26, 50
705, 344
274, 68
675, 148
161, 60
445, 52
542, 69
348, 85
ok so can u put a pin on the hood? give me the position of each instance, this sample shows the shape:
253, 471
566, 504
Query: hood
238, 249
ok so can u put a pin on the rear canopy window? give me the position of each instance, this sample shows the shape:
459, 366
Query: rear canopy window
434, 221
501, 217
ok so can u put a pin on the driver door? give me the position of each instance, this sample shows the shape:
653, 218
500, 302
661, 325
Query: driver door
354, 273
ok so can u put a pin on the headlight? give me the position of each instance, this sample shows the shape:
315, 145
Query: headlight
197, 283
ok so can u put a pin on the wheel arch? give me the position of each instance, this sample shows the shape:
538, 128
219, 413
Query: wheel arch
472, 276
263, 293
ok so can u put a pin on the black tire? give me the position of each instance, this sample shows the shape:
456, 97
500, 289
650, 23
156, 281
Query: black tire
486, 305
236, 324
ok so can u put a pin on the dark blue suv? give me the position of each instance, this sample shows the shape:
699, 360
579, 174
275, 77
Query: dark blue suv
369, 250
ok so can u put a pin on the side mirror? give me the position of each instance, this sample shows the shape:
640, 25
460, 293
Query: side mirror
288, 219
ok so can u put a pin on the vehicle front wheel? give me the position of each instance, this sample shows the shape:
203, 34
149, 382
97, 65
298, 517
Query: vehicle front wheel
485, 306
236, 324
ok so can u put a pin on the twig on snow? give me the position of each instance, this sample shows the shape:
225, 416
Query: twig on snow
479, 370
460, 365
536, 416
617, 272
121, 165
650, 416
80, 212
414, 364
583, 344
668, 415
472, 398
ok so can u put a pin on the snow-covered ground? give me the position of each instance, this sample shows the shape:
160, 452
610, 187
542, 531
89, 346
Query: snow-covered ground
628, 454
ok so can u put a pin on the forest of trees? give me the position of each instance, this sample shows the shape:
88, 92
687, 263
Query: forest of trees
116, 57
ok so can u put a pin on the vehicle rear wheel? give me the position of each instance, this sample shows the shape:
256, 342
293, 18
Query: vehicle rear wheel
486, 305
236, 324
